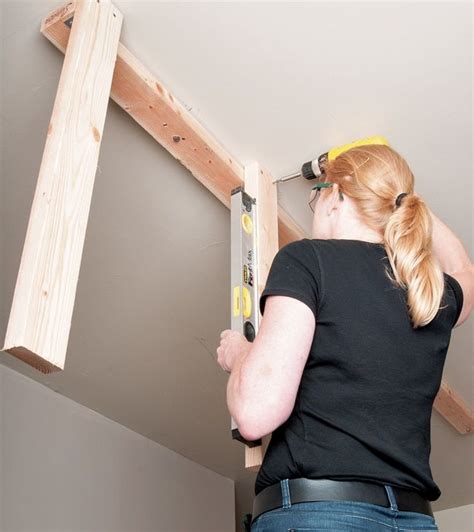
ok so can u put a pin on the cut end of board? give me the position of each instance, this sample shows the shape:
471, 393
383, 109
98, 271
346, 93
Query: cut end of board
253, 458
32, 359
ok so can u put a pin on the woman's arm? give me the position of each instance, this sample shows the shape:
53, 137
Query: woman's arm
448, 249
263, 385
455, 261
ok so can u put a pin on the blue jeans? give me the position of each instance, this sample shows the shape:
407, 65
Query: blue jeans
340, 516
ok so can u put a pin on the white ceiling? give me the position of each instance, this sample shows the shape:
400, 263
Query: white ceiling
275, 82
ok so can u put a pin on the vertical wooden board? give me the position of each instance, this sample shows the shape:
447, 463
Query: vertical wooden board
258, 183
40, 317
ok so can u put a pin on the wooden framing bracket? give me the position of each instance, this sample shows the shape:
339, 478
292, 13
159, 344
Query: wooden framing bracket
96, 65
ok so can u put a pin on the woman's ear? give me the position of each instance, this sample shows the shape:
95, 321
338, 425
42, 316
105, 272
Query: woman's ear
333, 199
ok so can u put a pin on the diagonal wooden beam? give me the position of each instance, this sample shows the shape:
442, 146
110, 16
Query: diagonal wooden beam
40, 318
456, 412
160, 113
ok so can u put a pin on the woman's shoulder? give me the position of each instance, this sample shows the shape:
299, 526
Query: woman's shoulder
458, 295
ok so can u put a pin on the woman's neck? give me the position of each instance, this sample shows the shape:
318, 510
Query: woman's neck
366, 236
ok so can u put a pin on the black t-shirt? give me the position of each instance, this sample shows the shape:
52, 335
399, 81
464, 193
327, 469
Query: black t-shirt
364, 403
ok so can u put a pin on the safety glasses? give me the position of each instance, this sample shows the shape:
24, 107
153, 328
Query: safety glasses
315, 191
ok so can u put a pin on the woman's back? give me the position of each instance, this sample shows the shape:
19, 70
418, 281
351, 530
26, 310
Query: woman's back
364, 403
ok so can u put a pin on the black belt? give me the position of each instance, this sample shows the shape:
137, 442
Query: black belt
311, 490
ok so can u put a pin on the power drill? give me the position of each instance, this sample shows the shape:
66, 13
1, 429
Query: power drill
314, 169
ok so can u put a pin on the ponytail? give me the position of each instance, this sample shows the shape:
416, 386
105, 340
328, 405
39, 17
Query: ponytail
374, 176
407, 239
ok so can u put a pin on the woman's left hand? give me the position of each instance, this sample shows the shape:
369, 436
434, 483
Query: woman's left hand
233, 345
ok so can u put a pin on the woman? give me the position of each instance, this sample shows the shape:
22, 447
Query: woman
349, 355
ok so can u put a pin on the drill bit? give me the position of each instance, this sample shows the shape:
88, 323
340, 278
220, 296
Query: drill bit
288, 177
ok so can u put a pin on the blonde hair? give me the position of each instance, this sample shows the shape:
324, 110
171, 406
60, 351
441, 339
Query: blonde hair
373, 176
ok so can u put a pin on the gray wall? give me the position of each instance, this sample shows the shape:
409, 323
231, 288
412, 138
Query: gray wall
66, 468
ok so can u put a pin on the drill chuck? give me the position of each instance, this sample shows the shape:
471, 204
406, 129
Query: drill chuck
315, 169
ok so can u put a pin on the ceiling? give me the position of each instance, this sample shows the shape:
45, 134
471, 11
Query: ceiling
274, 82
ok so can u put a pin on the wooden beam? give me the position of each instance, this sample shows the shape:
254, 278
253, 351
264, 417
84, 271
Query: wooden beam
160, 113
40, 318
259, 185
456, 412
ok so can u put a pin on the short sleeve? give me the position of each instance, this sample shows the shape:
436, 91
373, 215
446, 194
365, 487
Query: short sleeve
458, 294
294, 272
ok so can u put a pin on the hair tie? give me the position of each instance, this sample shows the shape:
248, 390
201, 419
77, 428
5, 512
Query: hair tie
400, 197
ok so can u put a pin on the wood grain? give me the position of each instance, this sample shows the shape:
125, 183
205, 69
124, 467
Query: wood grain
43, 301
259, 185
